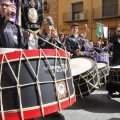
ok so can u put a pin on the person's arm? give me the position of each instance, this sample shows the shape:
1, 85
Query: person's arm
86, 31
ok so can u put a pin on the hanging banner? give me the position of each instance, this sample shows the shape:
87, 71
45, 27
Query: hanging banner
105, 29
32, 15
99, 29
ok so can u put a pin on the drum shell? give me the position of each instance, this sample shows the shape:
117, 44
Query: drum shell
103, 72
30, 98
115, 75
82, 80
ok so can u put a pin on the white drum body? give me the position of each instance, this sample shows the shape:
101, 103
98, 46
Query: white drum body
84, 74
103, 70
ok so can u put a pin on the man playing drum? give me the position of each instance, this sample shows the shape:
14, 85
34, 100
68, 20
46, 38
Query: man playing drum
11, 35
75, 42
115, 40
9, 31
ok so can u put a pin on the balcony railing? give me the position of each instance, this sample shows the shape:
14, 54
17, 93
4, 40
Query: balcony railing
106, 12
79, 16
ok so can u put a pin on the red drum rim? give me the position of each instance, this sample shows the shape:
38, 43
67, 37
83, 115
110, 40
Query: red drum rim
14, 56
37, 112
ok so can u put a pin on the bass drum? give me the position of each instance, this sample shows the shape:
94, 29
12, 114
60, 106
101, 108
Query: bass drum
115, 75
85, 75
34, 83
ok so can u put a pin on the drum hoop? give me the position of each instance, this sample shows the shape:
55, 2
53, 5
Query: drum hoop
106, 65
83, 56
32, 54
102, 62
111, 67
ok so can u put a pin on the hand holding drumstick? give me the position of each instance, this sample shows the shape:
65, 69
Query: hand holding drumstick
86, 30
54, 33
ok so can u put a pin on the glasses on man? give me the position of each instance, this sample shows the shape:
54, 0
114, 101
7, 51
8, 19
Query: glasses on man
3, 4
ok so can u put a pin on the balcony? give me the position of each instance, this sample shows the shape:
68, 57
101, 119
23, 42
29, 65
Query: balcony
76, 17
106, 12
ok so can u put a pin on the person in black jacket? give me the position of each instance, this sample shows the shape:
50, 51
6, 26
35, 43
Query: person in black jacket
115, 40
75, 42
50, 35
11, 35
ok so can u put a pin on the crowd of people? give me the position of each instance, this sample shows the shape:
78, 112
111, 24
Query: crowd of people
14, 36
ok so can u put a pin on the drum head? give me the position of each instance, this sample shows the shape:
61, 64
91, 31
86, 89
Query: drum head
81, 64
115, 67
101, 64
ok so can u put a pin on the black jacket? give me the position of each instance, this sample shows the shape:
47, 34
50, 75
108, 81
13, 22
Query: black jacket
116, 49
72, 43
46, 45
7, 31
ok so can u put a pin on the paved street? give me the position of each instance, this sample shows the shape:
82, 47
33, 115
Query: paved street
96, 106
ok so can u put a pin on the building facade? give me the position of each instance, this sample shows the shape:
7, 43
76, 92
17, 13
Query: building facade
90, 12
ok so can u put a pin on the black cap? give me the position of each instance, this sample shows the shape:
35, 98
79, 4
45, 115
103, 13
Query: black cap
74, 24
50, 20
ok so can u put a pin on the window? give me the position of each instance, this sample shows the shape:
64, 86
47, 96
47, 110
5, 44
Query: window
77, 11
110, 8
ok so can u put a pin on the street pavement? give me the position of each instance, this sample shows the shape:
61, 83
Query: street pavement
96, 106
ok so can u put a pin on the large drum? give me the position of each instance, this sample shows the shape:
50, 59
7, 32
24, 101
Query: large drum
115, 74
34, 83
103, 70
85, 75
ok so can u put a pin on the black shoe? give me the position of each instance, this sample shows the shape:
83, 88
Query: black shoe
109, 95
58, 115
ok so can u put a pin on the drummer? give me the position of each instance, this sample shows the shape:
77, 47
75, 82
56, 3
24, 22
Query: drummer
75, 42
11, 35
115, 40
50, 35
